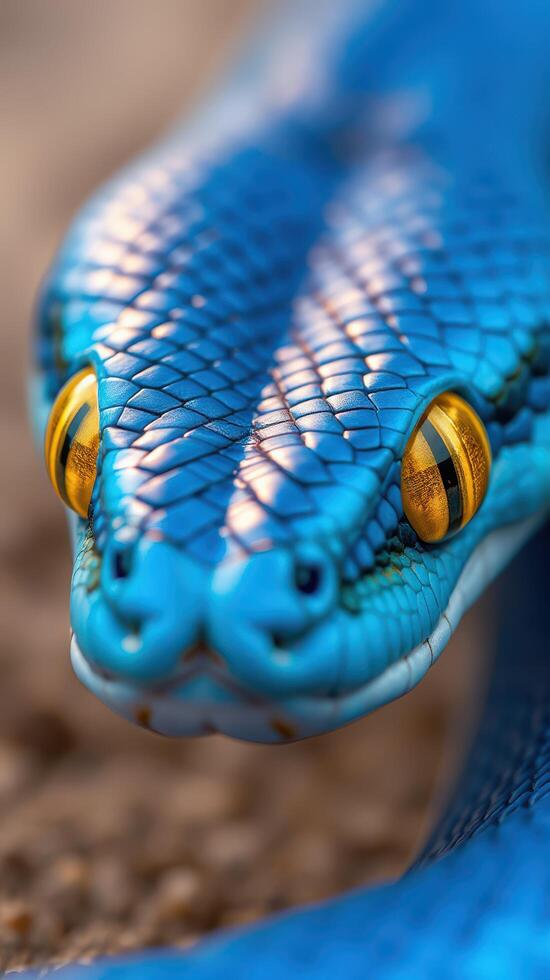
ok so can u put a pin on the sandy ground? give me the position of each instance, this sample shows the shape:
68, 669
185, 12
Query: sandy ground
112, 837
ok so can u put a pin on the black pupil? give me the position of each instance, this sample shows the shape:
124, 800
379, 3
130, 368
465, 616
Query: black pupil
308, 578
121, 564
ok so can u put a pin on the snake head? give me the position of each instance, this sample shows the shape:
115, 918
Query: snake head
299, 484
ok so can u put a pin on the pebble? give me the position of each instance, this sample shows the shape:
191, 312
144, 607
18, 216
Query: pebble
16, 919
177, 896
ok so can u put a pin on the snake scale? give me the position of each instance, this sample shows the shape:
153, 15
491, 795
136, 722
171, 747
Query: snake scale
270, 307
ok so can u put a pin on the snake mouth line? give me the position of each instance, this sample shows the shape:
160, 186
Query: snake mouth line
204, 697
203, 666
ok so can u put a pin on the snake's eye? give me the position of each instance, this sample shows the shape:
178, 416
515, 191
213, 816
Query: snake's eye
445, 469
72, 441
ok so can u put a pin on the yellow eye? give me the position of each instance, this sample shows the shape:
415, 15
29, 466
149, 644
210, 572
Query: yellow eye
72, 441
445, 468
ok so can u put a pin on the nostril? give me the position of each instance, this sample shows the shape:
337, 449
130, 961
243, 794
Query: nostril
308, 577
121, 563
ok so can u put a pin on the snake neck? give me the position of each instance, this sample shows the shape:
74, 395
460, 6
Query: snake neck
459, 77
508, 770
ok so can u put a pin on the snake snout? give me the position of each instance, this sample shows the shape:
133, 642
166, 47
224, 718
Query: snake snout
145, 613
261, 607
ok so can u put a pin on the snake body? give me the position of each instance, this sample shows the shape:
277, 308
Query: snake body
270, 300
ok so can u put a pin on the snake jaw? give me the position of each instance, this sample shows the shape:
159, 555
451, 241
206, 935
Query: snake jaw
204, 696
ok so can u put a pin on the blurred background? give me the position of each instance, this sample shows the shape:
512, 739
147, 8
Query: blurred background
111, 837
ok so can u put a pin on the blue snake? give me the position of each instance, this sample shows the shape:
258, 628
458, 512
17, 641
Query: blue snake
268, 316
